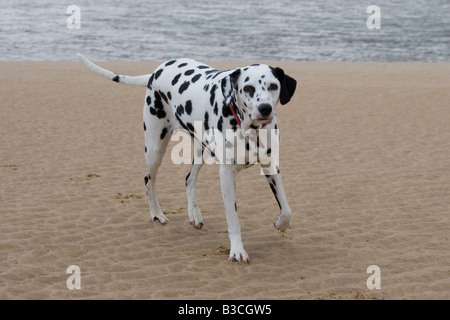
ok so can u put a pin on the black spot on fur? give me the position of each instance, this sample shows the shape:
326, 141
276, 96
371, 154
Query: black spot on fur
116, 78
219, 124
206, 121
160, 113
196, 77
190, 127
158, 73
175, 80
180, 121
149, 100
163, 133
274, 190
216, 109
158, 101
182, 65
145, 127
183, 87
163, 96
187, 177
206, 87
169, 95
269, 151
212, 94
226, 111
203, 67
247, 79
170, 63
189, 72
150, 81
188, 107
180, 110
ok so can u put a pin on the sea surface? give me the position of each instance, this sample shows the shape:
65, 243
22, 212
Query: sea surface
252, 30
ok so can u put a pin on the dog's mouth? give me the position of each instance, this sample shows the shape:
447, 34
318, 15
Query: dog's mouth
261, 120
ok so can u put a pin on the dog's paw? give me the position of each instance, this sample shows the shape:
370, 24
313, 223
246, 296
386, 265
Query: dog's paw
161, 218
195, 217
239, 256
282, 224
196, 225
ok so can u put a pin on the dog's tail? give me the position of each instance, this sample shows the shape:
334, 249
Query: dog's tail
134, 80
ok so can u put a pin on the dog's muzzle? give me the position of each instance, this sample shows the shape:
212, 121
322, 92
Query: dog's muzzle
264, 113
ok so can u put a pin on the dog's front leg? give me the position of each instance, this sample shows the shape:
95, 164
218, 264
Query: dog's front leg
227, 182
284, 221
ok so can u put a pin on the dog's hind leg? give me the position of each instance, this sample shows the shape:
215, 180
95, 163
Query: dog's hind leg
195, 215
157, 137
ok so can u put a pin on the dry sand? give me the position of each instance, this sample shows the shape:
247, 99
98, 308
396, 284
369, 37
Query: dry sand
365, 158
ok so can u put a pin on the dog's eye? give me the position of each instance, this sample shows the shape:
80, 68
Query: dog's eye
273, 87
249, 89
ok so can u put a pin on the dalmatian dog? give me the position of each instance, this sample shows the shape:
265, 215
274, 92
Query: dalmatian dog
181, 92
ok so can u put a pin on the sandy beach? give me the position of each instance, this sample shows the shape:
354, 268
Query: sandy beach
365, 161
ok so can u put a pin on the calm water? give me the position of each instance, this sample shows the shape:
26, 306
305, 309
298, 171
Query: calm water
328, 30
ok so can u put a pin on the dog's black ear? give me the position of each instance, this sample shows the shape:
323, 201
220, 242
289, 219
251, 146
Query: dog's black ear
228, 85
287, 83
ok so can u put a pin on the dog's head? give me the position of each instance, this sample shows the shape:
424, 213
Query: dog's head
257, 89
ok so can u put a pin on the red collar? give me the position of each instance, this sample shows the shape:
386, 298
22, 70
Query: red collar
239, 123
235, 115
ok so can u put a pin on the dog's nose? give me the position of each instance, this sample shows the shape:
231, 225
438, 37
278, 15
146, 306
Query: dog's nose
265, 109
